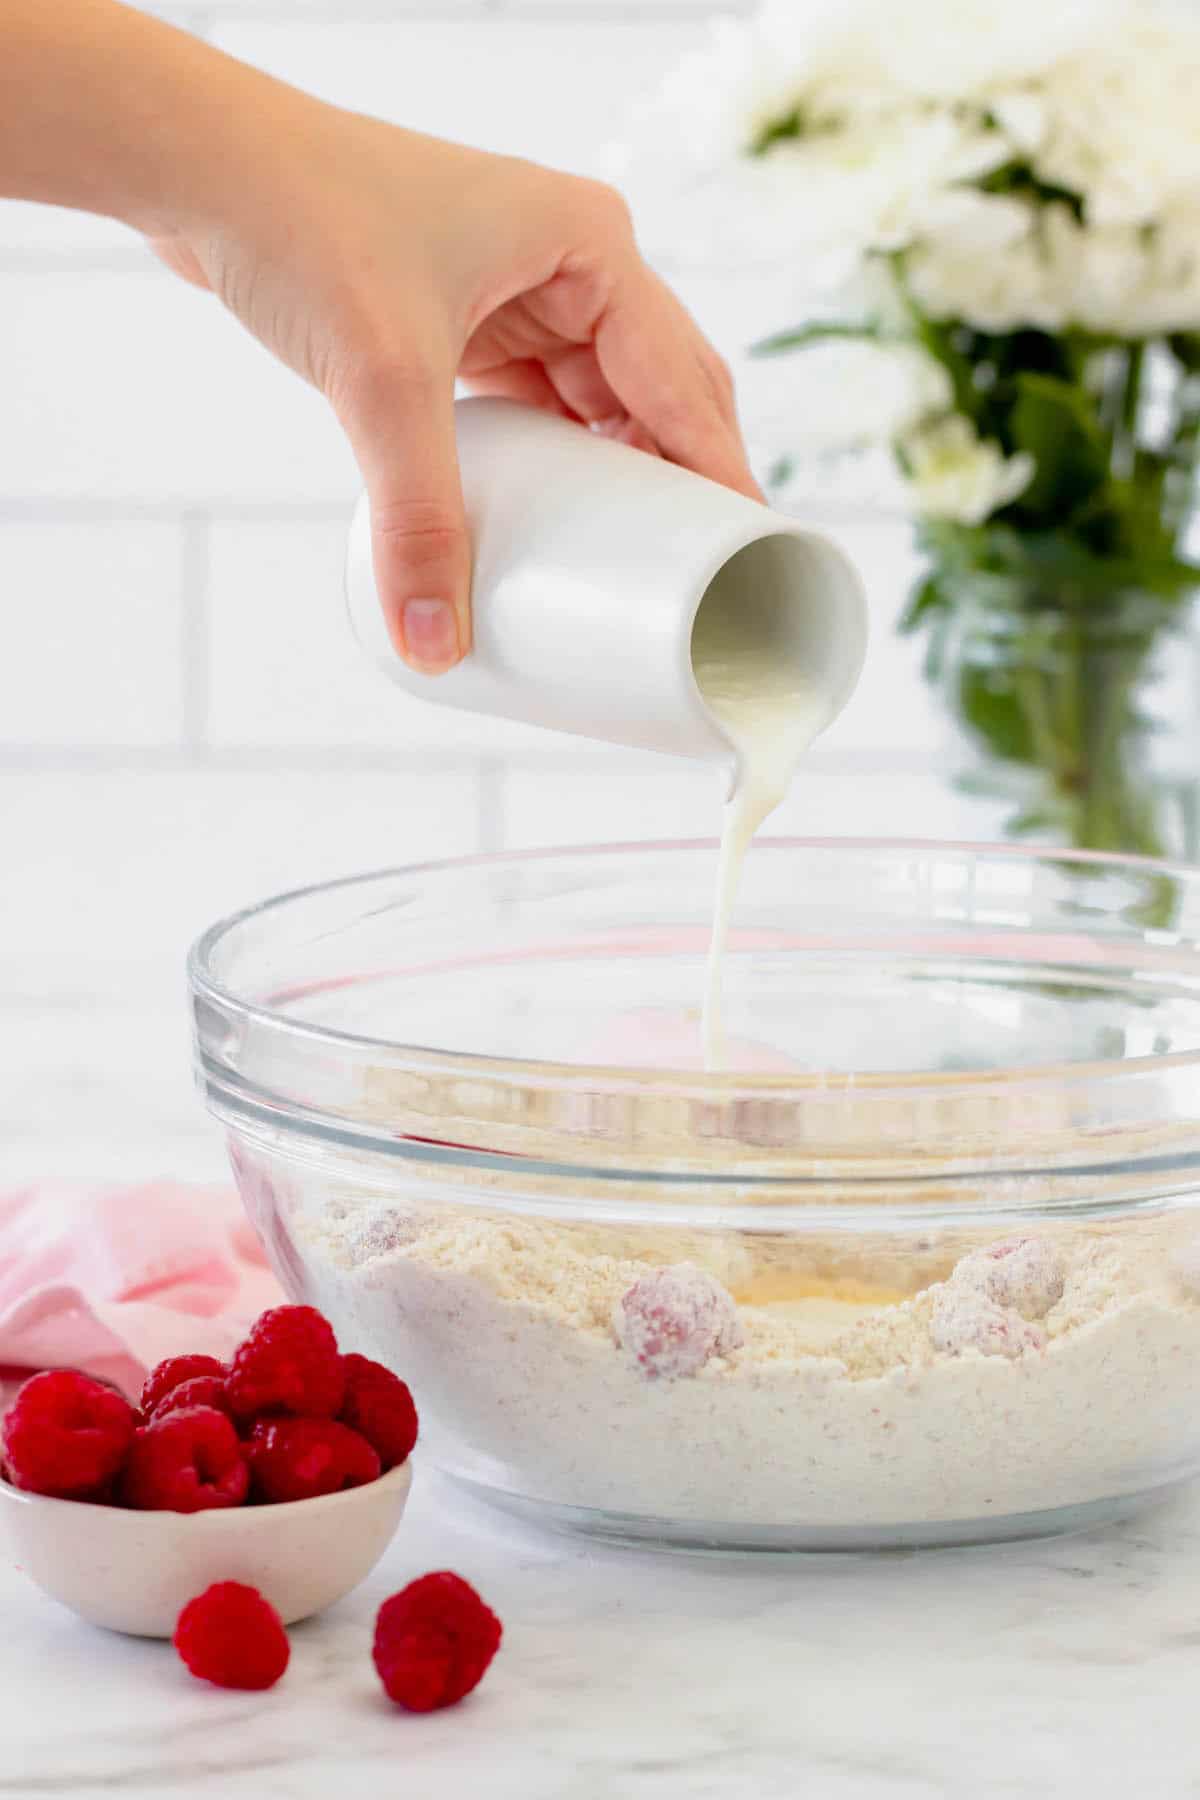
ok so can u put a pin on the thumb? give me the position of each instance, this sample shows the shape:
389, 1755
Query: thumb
401, 429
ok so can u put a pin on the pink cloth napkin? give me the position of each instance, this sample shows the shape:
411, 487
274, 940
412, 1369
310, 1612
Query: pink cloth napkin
111, 1280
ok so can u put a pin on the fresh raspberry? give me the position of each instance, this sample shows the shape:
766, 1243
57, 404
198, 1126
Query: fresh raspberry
201, 1390
673, 1319
288, 1364
66, 1435
230, 1635
170, 1374
186, 1462
964, 1318
1024, 1273
300, 1459
434, 1641
379, 1406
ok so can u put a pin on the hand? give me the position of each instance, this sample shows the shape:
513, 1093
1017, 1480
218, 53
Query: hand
382, 265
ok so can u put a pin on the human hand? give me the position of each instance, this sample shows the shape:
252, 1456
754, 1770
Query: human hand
382, 265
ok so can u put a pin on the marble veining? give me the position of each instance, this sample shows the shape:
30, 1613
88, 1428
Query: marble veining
1065, 1668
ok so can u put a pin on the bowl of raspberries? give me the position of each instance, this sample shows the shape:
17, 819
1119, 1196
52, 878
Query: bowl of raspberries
286, 1468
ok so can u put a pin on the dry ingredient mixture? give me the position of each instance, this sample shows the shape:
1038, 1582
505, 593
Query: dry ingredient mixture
746, 1378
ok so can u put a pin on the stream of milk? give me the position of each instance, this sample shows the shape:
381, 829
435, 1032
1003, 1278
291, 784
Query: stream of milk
771, 717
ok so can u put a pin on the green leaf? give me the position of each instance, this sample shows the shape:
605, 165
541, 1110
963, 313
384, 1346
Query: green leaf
1185, 348
1018, 180
925, 598
787, 126
820, 331
938, 339
1053, 421
990, 707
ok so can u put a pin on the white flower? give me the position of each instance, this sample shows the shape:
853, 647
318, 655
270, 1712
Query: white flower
929, 50
1130, 281
842, 396
993, 291
891, 117
717, 102
1122, 128
953, 474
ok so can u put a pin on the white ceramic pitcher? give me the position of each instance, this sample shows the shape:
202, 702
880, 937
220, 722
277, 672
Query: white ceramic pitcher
591, 562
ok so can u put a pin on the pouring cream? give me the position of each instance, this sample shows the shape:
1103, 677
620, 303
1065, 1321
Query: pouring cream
747, 671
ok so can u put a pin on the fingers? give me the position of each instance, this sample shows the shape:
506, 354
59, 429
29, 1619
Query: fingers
401, 426
581, 383
668, 378
525, 381
181, 259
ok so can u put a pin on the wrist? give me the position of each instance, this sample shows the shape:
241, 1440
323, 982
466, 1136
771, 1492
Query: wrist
214, 138
109, 110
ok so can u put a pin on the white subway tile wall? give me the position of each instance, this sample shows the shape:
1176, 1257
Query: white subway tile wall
96, 615
184, 719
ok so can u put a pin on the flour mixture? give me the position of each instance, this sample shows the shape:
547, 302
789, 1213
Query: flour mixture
707, 1379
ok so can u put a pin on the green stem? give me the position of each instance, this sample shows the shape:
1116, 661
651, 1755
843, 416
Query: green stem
1125, 433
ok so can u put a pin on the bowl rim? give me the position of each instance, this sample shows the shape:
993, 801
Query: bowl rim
271, 1510
204, 985
523, 1119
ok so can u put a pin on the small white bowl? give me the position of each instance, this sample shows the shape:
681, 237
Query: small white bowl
136, 1571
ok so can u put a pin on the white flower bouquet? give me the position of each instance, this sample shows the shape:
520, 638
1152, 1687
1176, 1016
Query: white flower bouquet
1010, 198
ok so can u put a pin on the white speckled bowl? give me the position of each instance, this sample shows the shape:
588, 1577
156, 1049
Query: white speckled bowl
135, 1571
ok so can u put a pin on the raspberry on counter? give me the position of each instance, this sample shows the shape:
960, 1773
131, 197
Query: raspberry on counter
231, 1636
289, 1363
66, 1435
434, 1641
186, 1462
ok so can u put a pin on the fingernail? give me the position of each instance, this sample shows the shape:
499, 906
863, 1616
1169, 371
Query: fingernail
430, 635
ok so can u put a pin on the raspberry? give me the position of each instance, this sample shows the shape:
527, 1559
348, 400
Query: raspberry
1024, 1273
299, 1459
434, 1641
288, 1364
186, 1462
66, 1435
673, 1319
170, 1374
379, 1234
201, 1390
964, 1318
230, 1635
379, 1406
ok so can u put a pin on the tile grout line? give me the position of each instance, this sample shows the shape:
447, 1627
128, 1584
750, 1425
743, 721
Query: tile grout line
656, 12
353, 12
84, 509
203, 758
194, 632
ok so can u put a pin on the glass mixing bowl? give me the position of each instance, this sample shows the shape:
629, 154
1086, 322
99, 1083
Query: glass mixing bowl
921, 1266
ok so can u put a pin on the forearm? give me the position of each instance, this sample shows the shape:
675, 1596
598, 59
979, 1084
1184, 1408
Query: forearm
108, 110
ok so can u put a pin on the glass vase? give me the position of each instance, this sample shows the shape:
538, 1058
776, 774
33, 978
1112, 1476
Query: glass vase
1078, 713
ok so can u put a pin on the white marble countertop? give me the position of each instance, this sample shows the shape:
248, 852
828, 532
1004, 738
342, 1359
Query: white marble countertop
1061, 1669
1056, 1669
